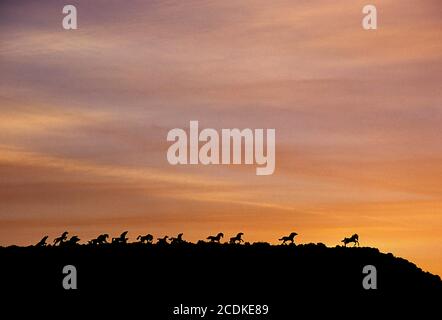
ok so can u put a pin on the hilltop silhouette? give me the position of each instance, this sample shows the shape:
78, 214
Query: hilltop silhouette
172, 270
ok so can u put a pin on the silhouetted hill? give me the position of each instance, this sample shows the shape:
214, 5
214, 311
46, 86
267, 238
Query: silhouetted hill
286, 277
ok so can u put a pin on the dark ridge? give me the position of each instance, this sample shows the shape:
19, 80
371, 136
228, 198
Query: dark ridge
165, 275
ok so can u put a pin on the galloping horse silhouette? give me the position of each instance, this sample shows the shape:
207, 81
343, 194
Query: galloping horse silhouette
121, 239
354, 238
216, 238
71, 242
101, 239
147, 238
162, 241
290, 238
238, 238
178, 239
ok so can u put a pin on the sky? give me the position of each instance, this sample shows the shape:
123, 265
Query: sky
84, 116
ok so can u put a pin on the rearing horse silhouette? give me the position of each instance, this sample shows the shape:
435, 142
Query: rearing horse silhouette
354, 238
61, 238
42, 242
216, 238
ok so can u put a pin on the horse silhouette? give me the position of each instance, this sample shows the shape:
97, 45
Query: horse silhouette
101, 239
354, 238
216, 238
147, 238
290, 237
121, 239
71, 242
42, 242
162, 241
61, 238
238, 238
178, 239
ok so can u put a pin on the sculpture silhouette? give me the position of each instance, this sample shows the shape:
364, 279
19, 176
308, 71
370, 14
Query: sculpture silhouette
101, 239
148, 238
61, 238
238, 238
354, 238
162, 241
42, 242
121, 239
178, 239
290, 238
216, 238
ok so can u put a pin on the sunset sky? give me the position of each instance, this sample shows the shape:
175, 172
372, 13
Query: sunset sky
84, 116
